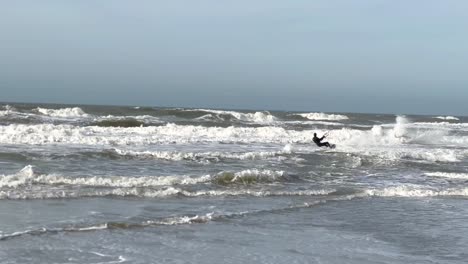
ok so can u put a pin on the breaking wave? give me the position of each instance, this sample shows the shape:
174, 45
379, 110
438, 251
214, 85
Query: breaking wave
323, 116
27, 184
166, 134
28, 177
63, 112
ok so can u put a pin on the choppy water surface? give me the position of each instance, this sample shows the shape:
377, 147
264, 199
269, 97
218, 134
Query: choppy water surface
101, 184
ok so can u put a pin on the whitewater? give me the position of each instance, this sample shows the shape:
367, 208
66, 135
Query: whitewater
136, 184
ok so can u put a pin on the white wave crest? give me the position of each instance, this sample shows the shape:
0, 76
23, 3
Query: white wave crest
63, 112
323, 116
27, 176
447, 117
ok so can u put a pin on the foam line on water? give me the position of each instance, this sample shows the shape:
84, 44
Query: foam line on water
415, 191
201, 156
449, 175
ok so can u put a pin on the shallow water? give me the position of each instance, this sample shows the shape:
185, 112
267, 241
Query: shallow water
98, 184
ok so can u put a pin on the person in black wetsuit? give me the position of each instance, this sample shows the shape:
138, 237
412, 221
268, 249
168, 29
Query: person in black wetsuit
318, 141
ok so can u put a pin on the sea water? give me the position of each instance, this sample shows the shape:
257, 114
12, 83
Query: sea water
111, 184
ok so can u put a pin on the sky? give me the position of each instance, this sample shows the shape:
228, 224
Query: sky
371, 56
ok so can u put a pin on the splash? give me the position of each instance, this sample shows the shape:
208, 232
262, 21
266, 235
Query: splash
400, 128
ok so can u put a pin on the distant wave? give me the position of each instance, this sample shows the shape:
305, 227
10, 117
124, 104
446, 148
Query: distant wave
63, 112
257, 117
447, 117
323, 116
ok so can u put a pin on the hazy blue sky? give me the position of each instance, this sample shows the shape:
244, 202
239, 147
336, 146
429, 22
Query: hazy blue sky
394, 56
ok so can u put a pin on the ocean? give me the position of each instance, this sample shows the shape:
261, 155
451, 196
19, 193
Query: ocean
130, 184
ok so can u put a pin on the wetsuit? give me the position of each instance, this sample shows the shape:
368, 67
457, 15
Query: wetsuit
318, 142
